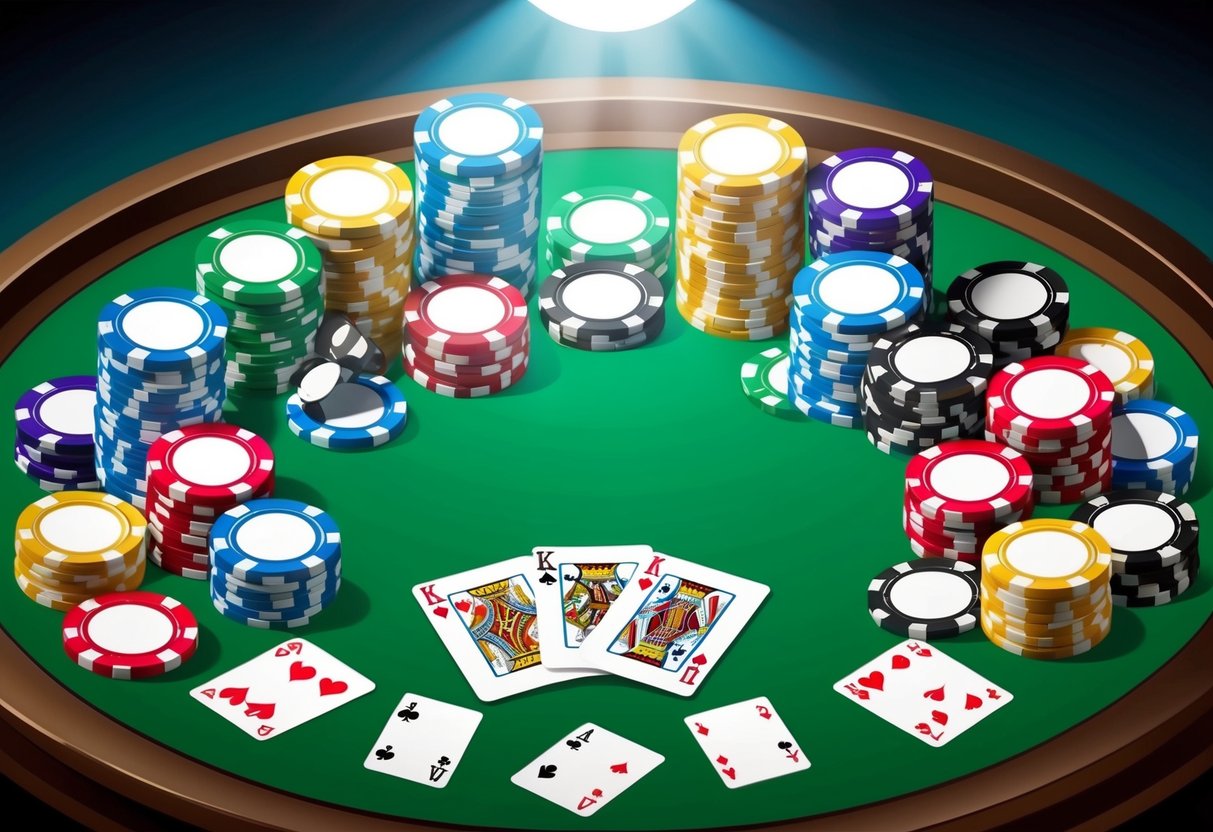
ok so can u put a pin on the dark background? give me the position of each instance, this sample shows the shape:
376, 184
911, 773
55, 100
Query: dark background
92, 91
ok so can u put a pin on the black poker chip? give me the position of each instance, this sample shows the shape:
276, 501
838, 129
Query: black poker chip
1010, 301
610, 299
930, 363
928, 598
1147, 530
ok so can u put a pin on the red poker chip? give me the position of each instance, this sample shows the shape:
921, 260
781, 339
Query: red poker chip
478, 358
210, 464
183, 542
177, 566
926, 550
182, 553
464, 314
942, 534
166, 519
456, 389
1081, 434
983, 527
971, 547
969, 481
182, 509
1088, 453
130, 635
467, 373
1050, 396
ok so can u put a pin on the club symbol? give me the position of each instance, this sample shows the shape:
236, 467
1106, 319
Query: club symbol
784, 745
409, 713
547, 772
547, 579
384, 754
444, 760
573, 744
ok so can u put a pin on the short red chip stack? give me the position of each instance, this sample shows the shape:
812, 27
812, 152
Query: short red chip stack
1056, 411
194, 475
960, 492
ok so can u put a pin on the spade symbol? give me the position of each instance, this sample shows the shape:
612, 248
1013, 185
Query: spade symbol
385, 753
665, 587
547, 579
573, 744
784, 745
547, 772
409, 713
444, 760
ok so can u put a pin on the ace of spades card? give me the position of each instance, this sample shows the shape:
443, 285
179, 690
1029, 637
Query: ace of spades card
923, 692
282, 688
487, 620
424, 740
672, 624
574, 589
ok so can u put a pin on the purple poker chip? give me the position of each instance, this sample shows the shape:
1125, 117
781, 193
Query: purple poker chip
78, 471
57, 415
871, 189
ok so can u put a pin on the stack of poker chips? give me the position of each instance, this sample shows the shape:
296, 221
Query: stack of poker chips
926, 599
1153, 446
1022, 309
160, 366
130, 635
466, 335
359, 212
766, 382
876, 200
194, 475
740, 224
959, 493
610, 222
364, 411
1057, 412
923, 384
842, 305
602, 305
1045, 588
1124, 359
1155, 540
266, 276
54, 434
74, 545
479, 162
277, 563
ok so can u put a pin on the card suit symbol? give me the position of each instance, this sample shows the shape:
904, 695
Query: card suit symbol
547, 772
261, 710
385, 753
900, 662
730, 773
548, 579
328, 687
784, 745
723, 760
936, 695
645, 583
444, 760
701, 660
234, 695
596, 792
440, 612
620, 768
301, 672
924, 652
574, 744
265, 730
408, 713
875, 680
940, 717
972, 702
463, 605
700, 728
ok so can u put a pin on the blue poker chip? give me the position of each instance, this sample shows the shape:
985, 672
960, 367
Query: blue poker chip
808, 385
823, 409
462, 249
161, 329
870, 188
473, 183
859, 292
292, 604
182, 379
459, 227
508, 190
478, 134
1152, 440
434, 206
238, 614
442, 239
273, 541
364, 412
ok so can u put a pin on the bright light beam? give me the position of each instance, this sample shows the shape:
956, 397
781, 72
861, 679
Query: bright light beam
611, 16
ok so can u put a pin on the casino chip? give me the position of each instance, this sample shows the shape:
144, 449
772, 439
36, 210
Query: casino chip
1022, 308
479, 158
925, 599
764, 379
358, 211
609, 222
1057, 412
922, 385
1045, 588
739, 224
1153, 446
874, 200
365, 412
1125, 360
160, 363
277, 563
602, 302
54, 434
73, 545
130, 635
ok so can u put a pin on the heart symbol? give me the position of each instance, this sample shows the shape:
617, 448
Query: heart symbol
281, 651
972, 702
547, 772
301, 671
875, 681
940, 717
234, 695
730, 773
260, 710
328, 686
463, 604
936, 694
440, 611
645, 583
700, 660
900, 662
620, 768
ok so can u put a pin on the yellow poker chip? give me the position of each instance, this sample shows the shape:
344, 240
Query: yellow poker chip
742, 154
1067, 651
349, 197
1047, 559
1121, 357
81, 531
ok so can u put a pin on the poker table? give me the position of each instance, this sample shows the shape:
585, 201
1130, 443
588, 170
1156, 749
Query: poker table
656, 445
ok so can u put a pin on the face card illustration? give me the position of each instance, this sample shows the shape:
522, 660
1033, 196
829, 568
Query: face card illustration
424, 740
282, 688
923, 692
747, 742
574, 588
486, 618
672, 624
587, 769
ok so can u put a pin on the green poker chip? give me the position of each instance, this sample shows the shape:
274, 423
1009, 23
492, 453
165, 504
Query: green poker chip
608, 223
258, 263
764, 378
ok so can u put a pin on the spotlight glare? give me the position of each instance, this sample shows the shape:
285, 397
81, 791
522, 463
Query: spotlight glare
611, 16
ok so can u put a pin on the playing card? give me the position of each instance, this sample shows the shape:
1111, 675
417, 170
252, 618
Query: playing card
587, 769
282, 688
574, 588
923, 692
672, 624
423, 740
747, 742
486, 617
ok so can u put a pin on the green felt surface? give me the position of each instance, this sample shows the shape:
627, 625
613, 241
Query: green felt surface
657, 445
